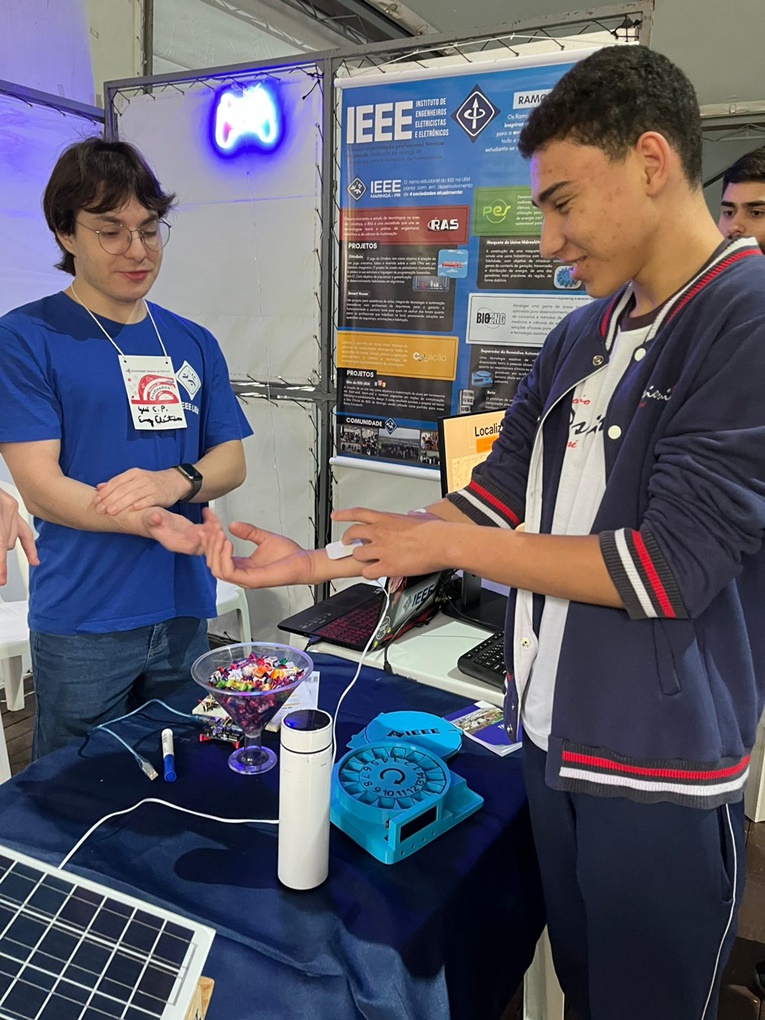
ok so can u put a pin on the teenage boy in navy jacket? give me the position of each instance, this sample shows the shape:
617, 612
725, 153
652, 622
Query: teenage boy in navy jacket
635, 635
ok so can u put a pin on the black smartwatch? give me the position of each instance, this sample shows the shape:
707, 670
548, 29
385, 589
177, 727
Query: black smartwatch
194, 479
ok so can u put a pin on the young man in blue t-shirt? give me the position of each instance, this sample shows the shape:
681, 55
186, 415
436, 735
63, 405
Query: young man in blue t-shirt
118, 422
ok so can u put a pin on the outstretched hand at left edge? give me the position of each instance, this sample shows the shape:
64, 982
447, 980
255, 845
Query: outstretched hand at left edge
14, 528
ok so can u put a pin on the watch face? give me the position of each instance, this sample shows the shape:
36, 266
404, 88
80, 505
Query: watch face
193, 477
190, 471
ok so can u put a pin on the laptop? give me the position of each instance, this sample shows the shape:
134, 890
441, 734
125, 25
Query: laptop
352, 616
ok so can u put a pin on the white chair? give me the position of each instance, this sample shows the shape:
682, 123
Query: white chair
14, 640
542, 995
230, 598
754, 792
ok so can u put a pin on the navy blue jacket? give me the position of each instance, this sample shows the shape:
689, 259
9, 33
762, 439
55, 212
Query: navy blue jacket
659, 700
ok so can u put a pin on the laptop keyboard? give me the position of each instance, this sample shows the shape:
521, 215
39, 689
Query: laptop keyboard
354, 628
486, 661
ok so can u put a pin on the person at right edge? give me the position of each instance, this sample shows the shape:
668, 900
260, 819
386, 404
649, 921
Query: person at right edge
742, 214
635, 453
742, 206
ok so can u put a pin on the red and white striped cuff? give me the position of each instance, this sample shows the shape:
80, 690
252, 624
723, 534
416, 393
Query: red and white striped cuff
641, 575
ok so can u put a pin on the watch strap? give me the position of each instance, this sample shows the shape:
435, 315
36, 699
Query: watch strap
193, 477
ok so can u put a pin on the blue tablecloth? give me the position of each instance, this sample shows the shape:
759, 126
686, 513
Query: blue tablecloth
446, 933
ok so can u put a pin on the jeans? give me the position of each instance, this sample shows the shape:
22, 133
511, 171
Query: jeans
82, 680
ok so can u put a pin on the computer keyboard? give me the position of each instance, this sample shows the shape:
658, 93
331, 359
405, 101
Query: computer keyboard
354, 628
486, 661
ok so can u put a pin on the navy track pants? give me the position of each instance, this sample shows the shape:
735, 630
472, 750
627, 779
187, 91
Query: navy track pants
641, 899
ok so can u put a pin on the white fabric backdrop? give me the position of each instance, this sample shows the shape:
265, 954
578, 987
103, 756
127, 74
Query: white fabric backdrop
277, 495
243, 261
44, 46
243, 256
31, 139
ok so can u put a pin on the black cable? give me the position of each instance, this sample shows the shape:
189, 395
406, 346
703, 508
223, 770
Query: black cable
452, 603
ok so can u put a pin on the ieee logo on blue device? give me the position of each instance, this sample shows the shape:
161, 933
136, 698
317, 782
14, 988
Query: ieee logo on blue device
475, 113
246, 118
453, 262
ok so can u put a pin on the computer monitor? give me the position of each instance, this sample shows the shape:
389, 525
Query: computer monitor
465, 440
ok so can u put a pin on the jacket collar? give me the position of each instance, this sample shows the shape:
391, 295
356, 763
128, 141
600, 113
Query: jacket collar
592, 348
730, 255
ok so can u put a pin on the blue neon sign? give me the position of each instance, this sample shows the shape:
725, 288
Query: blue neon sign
246, 118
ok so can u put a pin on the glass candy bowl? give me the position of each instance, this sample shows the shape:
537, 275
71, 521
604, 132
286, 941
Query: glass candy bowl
267, 674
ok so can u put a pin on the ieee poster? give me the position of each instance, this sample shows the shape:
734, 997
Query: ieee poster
444, 299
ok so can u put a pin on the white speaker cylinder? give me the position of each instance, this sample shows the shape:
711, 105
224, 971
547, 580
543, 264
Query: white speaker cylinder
305, 773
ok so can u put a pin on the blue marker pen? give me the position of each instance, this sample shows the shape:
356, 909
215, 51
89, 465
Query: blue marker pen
168, 755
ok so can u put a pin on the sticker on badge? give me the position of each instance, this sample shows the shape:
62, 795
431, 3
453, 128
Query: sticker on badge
152, 391
188, 378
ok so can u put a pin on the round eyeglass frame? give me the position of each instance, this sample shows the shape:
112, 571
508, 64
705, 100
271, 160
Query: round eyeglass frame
127, 232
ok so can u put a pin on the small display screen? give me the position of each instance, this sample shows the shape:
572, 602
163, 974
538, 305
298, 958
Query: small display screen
408, 829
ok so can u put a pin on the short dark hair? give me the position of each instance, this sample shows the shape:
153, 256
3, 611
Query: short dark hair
611, 98
750, 167
98, 176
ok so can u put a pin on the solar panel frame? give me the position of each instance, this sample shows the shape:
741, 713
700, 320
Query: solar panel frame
74, 949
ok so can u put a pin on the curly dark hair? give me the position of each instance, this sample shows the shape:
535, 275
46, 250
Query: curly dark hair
750, 167
611, 98
98, 176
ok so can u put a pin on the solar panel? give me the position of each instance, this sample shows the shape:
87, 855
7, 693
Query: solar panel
71, 949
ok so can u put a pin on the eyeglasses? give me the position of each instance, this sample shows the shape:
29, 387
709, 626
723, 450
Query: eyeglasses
116, 239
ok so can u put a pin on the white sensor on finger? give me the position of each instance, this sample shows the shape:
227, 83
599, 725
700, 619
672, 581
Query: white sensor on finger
338, 550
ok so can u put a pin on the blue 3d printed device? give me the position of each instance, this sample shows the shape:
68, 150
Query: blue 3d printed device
394, 794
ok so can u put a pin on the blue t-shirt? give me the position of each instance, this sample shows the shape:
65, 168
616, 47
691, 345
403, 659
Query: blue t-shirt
60, 379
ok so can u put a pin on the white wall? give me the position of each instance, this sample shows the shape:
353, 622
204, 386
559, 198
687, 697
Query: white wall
115, 39
44, 45
194, 34
718, 45
191, 34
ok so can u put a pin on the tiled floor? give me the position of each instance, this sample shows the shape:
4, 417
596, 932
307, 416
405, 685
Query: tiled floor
739, 999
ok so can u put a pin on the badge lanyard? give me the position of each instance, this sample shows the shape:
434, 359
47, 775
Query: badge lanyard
152, 389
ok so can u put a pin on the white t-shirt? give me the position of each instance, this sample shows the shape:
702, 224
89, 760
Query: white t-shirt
580, 491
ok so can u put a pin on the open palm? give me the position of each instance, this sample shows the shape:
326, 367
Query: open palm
276, 561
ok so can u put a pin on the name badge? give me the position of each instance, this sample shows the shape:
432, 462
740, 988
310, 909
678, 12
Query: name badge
152, 391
